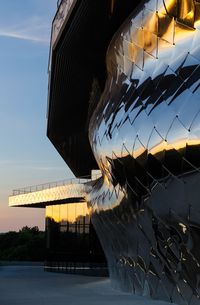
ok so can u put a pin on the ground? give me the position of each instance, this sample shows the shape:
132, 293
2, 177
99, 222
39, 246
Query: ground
30, 285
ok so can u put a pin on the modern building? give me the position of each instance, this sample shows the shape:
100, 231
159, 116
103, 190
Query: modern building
72, 245
124, 98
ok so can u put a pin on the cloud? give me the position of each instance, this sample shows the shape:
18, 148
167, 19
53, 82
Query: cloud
17, 35
33, 29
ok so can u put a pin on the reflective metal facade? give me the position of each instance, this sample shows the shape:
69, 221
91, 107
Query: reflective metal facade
145, 135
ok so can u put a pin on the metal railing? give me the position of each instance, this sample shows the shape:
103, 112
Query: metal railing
44, 186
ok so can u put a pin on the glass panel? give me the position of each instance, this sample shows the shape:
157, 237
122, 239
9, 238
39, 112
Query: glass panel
49, 211
63, 214
71, 212
81, 212
72, 228
68, 236
56, 213
63, 228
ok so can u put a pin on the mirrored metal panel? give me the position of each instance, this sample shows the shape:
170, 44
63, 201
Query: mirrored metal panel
145, 135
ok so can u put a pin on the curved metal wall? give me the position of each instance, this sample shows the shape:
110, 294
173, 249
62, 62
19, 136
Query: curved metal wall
145, 135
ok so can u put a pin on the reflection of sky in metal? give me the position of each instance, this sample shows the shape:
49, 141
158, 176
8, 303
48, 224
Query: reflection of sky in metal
156, 50
145, 135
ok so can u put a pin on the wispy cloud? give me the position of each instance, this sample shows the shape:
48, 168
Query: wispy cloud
17, 35
33, 29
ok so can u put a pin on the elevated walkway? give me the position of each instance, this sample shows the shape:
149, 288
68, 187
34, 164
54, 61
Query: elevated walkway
65, 191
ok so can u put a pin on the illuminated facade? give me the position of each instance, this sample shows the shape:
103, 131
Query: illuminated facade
137, 97
72, 244
145, 135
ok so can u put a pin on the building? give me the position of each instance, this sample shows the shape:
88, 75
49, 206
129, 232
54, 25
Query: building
71, 242
135, 96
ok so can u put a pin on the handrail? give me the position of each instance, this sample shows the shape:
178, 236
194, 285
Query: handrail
43, 186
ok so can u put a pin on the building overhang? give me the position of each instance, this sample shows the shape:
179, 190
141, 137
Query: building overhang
81, 32
49, 194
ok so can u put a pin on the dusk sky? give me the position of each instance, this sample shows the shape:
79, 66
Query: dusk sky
26, 156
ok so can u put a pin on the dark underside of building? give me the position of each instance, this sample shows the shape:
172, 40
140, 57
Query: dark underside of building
78, 75
77, 79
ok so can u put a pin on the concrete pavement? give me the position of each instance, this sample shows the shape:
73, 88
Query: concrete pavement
30, 285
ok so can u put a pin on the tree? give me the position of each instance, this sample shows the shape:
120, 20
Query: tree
27, 244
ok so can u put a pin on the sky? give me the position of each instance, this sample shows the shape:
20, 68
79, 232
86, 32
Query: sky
26, 155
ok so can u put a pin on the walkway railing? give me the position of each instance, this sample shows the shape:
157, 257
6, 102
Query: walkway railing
40, 187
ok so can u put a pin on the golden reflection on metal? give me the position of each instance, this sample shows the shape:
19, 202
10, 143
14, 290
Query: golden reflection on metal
170, 20
153, 35
164, 146
145, 135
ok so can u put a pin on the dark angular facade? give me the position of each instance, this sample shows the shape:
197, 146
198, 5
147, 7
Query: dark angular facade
139, 102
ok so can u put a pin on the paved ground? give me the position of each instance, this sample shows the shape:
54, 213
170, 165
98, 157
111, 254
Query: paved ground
30, 285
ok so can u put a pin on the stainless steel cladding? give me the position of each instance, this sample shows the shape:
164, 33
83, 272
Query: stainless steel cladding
145, 135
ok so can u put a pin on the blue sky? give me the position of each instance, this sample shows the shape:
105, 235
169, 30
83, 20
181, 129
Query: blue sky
26, 155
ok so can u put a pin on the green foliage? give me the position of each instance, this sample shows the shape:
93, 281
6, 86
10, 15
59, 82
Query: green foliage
26, 245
